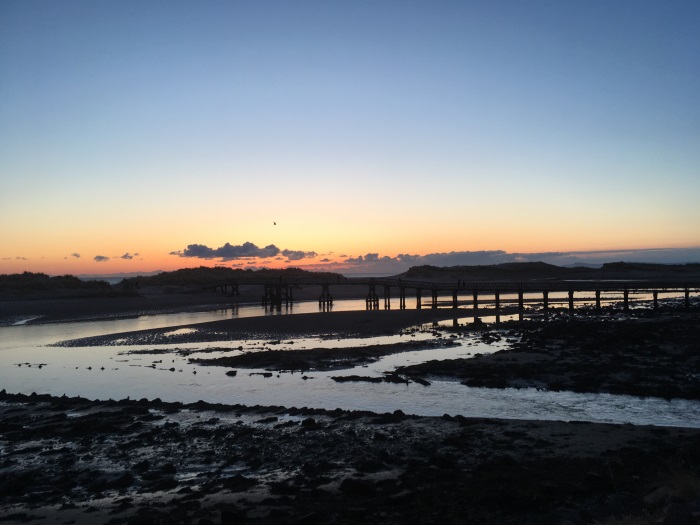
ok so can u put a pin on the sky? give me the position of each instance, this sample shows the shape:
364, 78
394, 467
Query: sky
361, 136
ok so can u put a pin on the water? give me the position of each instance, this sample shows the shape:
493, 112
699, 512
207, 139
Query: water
28, 365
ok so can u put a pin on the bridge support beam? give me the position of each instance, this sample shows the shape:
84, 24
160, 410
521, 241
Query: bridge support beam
372, 300
435, 299
520, 300
387, 297
273, 294
597, 299
656, 300
325, 301
234, 289
454, 298
571, 301
626, 299
402, 297
418, 299
687, 299
545, 301
498, 302
475, 297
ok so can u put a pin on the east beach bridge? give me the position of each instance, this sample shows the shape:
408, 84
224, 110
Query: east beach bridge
279, 291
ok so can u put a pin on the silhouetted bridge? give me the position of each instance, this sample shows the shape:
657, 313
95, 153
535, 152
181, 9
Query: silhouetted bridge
280, 291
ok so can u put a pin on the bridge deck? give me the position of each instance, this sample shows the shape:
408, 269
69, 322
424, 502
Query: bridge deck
478, 286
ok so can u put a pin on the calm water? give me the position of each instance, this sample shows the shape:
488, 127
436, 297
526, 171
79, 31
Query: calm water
28, 365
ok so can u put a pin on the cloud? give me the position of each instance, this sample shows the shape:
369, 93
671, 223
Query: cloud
297, 255
76, 255
127, 256
374, 263
228, 252
100, 258
247, 250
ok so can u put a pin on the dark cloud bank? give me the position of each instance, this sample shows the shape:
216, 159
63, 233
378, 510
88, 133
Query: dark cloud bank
247, 250
373, 262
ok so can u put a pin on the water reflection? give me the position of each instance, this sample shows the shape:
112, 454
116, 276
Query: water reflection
28, 365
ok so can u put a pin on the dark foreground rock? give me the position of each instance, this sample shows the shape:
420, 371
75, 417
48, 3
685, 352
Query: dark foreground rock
70, 460
651, 354
319, 358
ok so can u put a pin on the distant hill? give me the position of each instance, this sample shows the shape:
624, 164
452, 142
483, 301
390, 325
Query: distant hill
493, 272
205, 275
39, 285
540, 271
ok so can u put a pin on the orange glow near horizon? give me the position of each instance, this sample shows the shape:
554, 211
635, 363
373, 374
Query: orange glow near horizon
346, 146
146, 262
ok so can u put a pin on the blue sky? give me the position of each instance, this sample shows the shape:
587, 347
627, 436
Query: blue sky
359, 127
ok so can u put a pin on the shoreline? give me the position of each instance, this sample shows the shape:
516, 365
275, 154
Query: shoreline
140, 461
151, 461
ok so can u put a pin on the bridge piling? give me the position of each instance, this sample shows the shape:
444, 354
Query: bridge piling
372, 300
279, 291
325, 301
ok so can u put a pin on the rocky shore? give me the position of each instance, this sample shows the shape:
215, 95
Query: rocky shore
645, 354
71, 460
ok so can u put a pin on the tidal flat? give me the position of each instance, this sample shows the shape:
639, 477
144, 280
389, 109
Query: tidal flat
112, 459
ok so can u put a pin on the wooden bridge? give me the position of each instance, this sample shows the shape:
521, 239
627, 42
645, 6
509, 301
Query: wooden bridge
280, 291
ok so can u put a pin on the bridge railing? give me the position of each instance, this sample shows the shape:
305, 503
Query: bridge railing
477, 286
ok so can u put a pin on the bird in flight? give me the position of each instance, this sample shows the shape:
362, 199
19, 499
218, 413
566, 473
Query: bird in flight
274, 224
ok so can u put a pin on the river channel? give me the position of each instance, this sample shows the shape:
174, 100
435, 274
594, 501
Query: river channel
29, 364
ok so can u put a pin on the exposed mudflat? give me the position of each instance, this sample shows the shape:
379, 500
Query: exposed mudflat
322, 324
77, 461
72, 460
318, 358
654, 354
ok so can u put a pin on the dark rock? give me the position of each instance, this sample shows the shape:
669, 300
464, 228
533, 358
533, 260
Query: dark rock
360, 488
679, 514
238, 483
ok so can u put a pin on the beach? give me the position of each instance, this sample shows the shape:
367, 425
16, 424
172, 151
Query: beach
77, 460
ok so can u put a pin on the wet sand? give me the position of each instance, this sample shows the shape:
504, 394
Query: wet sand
79, 461
647, 354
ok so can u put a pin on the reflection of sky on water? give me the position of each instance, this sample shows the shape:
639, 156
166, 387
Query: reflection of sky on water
110, 372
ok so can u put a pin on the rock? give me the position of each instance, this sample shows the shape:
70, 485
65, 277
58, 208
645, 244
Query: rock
238, 483
678, 514
360, 488
657, 498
